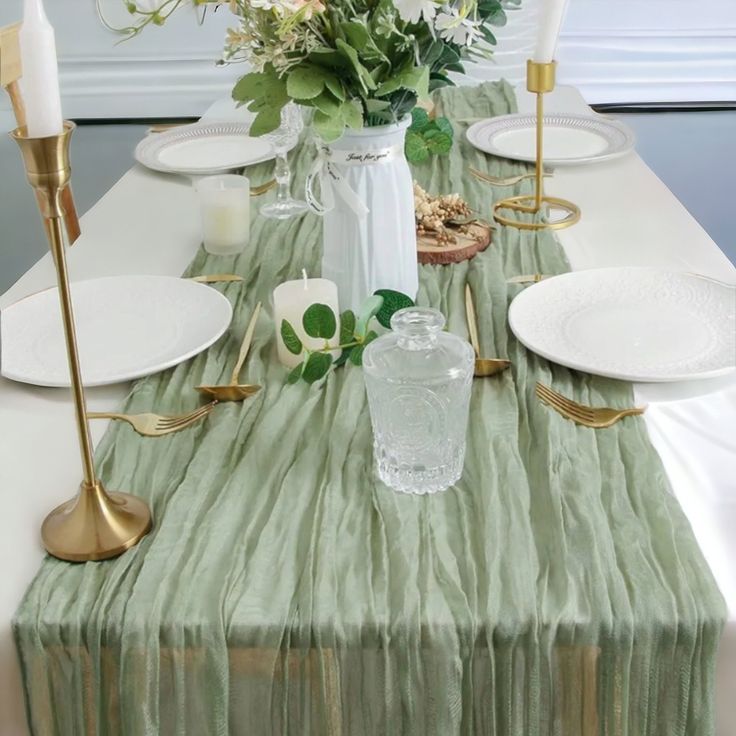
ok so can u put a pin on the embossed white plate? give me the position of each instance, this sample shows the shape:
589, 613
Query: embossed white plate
636, 324
203, 148
127, 327
568, 139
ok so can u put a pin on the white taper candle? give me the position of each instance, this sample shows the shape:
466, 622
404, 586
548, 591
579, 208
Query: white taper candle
40, 80
551, 15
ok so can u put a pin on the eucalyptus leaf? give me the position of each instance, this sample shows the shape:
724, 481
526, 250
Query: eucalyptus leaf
316, 367
393, 301
368, 309
344, 356
295, 374
291, 339
319, 321
356, 355
347, 326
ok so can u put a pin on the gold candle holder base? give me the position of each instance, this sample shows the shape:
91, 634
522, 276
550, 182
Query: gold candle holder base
95, 525
540, 78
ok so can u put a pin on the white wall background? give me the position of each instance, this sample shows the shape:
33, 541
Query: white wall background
613, 50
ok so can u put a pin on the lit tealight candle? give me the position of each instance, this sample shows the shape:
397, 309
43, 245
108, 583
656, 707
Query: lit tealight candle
551, 15
40, 80
290, 300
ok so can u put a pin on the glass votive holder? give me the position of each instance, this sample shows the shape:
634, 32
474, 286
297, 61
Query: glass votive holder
224, 203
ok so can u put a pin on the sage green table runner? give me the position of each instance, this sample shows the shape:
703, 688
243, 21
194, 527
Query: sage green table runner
556, 590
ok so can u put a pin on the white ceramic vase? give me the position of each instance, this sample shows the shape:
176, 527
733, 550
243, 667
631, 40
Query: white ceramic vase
373, 248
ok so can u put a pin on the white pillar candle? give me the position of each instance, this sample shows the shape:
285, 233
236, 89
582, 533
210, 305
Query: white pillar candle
40, 80
224, 203
552, 13
290, 300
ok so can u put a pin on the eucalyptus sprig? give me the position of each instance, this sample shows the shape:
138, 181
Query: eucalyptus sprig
320, 321
427, 136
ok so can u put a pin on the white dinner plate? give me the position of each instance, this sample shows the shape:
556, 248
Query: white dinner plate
203, 148
127, 327
636, 324
568, 139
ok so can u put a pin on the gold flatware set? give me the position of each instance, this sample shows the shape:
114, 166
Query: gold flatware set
157, 425
235, 391
483, 366
587, 416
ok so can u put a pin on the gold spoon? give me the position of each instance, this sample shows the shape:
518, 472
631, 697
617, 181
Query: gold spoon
483, 366
235, 391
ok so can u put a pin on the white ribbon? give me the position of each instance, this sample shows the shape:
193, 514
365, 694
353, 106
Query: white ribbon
332, 182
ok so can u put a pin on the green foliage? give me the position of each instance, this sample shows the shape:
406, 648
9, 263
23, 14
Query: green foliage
316, 367
427, 136
393, 301
290, 338
319, 321
356, 62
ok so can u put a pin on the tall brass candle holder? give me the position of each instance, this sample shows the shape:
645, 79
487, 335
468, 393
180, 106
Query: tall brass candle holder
96, 525
540, 79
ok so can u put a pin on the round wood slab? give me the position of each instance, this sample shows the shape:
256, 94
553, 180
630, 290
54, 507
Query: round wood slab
476, 240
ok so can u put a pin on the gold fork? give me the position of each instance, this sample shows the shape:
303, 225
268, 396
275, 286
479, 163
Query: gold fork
500, 181
588, 416
157, 425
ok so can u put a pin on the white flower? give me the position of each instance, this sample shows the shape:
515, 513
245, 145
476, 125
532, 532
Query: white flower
412, 11
456, 29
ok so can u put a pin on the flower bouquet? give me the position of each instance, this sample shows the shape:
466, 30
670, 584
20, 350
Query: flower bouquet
361, 66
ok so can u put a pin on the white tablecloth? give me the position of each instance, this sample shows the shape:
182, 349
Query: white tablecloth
148, 223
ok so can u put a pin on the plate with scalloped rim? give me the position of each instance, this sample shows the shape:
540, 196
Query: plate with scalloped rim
634, 324
569, 139
202, 149
127, 327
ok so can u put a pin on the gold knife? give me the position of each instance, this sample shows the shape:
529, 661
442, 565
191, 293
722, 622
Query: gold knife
529, 278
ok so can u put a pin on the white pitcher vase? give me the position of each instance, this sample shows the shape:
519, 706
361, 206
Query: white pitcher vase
367, 202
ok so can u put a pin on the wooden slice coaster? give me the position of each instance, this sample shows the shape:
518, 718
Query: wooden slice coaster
476, 240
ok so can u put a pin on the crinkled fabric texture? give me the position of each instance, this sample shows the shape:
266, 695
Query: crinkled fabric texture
557, 590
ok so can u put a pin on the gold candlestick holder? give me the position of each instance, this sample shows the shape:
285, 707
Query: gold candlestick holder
95, 525
540, 79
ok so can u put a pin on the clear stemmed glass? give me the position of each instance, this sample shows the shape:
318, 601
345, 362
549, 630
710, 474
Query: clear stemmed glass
283, 139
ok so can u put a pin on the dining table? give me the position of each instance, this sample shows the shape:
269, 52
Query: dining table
148, 223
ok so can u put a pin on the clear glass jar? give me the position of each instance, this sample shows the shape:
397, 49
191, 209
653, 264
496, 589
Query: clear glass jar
419, 380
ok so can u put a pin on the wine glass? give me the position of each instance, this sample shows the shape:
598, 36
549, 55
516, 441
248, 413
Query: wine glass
283, 139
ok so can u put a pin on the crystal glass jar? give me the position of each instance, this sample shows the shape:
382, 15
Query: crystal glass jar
418, 380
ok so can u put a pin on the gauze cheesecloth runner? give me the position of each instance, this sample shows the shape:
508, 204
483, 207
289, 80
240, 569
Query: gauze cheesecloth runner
557, 590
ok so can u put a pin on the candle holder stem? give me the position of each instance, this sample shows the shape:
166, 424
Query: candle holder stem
95, 525
540, 80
